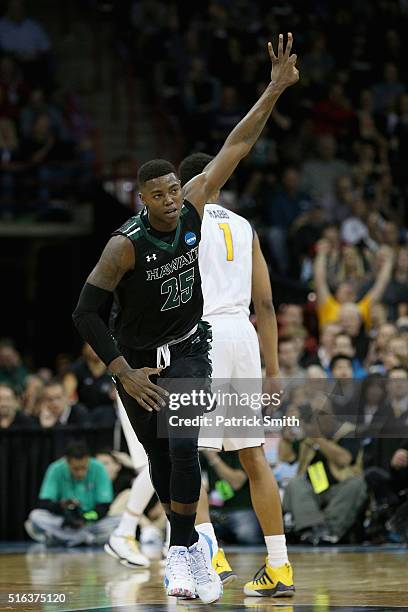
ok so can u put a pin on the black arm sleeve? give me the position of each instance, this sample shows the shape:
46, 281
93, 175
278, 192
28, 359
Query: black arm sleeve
94, 304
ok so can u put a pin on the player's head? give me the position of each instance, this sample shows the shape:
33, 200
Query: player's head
191, 166
160, 191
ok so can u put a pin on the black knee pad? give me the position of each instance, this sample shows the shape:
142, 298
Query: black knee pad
184, 454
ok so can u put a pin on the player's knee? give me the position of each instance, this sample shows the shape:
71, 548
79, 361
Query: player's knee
184, 455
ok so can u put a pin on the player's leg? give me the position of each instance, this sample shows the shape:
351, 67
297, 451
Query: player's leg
123, 544
179, 581
276, 578
191, 363
205, 526
221, 355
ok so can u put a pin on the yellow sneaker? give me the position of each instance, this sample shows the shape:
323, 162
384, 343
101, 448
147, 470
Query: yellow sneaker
223, 568
271, 582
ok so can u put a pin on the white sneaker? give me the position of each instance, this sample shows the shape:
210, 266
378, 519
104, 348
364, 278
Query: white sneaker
207, 582
178, 579
126, 550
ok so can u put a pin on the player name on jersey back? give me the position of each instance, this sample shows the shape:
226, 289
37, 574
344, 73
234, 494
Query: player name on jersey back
217, 214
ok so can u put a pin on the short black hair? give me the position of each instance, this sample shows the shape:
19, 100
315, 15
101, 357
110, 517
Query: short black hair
340, 357
77, 449
154, 168
192, 165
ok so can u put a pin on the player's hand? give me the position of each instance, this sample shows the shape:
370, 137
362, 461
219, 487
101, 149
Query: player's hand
284, 72
138, 384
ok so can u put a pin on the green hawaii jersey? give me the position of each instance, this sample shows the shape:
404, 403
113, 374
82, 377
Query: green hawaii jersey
161, 299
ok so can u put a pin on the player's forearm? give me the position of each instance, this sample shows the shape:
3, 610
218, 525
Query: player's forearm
92, 327
247, 132
268, 333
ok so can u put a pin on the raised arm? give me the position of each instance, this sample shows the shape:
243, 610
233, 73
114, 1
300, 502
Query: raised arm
320, 271
264, 310
242, 138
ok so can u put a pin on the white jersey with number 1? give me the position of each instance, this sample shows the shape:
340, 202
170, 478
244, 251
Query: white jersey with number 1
225, 258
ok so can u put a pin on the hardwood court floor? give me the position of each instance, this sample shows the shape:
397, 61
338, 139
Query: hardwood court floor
326, 579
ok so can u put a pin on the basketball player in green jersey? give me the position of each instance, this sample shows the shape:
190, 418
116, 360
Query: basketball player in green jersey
151, 265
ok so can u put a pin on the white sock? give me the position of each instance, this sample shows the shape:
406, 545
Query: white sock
127, 525
140, 495
277, 551
208, 530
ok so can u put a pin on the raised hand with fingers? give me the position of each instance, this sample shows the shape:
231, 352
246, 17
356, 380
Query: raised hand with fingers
284, 72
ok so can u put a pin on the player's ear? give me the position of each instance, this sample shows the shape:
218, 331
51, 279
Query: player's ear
142, 198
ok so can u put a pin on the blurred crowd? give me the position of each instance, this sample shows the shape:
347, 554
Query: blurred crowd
326, 188
46, 147
342, 470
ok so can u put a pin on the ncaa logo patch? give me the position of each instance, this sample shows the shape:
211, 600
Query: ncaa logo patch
190, 238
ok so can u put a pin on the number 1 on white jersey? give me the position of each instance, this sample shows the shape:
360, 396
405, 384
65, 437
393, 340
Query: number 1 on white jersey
226, 230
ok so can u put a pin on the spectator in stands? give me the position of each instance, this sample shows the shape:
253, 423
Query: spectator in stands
26, 40
14, 89
201, 99
73, 502
329, 491
333, 114
288, 356
343, 345
396, 353
346, 392
38, 105
12, 370
48, 160
378, 346
30, 398
337, 203
228, 486
397, 401
389, 90
388, 486
57, 410
287, 203
318, 64
8, 166
87, 381
319, 175
329, 305
326, 345
397, 289
225, 117
11, 417
371, 411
